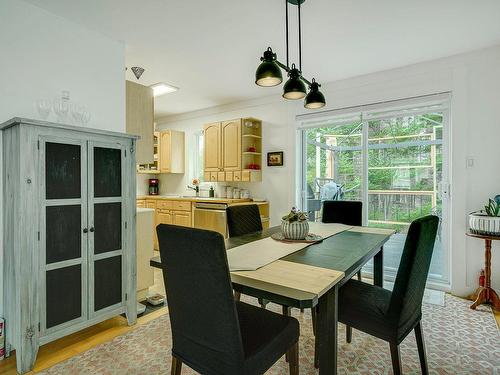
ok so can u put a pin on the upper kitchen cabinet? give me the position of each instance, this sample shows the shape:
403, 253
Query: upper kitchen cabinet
233, 150
213, 150
140, 118
171, 151
168, 153
231, 145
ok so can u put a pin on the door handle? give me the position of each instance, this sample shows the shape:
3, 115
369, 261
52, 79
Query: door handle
85, 230
92, 229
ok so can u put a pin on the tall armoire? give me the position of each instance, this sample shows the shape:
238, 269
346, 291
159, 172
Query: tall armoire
68, 230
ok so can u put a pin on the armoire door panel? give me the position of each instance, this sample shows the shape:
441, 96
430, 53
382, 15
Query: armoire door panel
63, 295
63, 233
107, 282
107, 227
107, 172
62, 171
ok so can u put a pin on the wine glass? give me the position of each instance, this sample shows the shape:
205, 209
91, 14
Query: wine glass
85, 115
61, 106
44, 106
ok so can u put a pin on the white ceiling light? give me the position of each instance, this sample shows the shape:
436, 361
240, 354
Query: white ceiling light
162, 89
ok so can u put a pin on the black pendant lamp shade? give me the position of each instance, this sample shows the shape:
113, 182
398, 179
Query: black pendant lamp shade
268, 73
294, 88
315, 99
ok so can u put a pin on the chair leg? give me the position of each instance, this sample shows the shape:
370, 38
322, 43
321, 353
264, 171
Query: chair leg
419, 334
396, 359
176, 366
286, 312
314, 312
348, 334
237, 296
302, 310
263, 302
293, 354
359, 276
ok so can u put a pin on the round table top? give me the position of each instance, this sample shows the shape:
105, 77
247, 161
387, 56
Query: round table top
483, 236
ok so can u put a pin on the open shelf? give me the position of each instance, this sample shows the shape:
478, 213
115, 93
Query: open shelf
251, 153
252, 136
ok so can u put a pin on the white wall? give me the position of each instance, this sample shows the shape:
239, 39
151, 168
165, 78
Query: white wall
473, 79
43, 54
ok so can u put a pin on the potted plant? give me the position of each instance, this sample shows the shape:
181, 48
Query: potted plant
295, 225
486, 221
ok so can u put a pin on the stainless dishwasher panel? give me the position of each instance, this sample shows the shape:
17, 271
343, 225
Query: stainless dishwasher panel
211, 216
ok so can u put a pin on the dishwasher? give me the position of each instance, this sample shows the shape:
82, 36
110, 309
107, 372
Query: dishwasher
211, 216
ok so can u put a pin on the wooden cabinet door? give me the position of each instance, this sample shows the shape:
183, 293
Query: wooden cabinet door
212, 139
165, 152
139, 119
182, 218
231, 145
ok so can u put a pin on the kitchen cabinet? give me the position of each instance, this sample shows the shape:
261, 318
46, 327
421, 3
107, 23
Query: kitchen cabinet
139, 119
233, 150
212, 151
231, 145
182, 218
171, 151
168, 149
69, 231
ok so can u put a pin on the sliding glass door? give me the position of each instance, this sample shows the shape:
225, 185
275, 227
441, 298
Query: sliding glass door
394, 161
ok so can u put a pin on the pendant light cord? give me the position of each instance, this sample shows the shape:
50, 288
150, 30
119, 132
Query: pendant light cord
300, 40
286, 22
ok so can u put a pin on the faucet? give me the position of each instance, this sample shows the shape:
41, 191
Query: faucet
195, 188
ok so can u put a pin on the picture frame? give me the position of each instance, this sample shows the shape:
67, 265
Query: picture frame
275, 159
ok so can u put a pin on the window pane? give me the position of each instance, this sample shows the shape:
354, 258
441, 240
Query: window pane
107, 282
62, 171
333, 165
64, 295
107, 172
108, 227
63, 233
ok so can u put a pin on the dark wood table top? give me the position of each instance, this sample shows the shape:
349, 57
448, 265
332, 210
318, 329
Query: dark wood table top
347, 252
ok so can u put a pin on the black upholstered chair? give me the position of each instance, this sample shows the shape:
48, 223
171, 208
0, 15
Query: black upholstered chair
344, 212
391, 316
212, 333
243, 219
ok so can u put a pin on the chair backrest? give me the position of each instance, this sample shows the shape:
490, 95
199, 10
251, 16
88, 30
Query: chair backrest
205, 327
243, 219
344, 212
409, 286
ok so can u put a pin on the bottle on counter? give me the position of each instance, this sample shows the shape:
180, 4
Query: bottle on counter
211, 192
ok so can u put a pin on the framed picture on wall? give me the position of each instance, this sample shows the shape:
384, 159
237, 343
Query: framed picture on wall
275, 159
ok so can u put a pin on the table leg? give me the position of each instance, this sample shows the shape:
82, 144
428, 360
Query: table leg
326, 332
378, 268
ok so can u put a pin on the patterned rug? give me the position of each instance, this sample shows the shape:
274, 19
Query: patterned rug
459, 341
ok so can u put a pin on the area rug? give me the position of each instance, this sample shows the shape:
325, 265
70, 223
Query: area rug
459, 341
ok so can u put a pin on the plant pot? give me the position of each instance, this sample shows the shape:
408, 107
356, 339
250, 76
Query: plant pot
480, 223
297, 230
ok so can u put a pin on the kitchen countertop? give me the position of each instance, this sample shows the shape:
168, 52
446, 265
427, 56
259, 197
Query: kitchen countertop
194, 199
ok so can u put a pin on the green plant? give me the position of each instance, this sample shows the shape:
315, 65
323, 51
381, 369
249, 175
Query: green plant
295, 215
493, 208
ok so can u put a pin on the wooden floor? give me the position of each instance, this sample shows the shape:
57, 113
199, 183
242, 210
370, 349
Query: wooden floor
74, 344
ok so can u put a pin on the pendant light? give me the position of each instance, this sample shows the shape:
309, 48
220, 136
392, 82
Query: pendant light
294, 88
315, 99
268, 73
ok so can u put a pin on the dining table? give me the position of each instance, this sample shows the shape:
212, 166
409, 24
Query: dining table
311, 278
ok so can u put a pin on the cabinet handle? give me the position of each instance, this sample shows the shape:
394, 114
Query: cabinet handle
92, 229
85, 230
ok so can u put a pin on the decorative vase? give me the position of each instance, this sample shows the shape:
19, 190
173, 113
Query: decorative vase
480, 223
296, 230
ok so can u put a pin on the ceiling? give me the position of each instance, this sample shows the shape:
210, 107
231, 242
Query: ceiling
210, 49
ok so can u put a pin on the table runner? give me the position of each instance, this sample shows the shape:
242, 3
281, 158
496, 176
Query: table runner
253, 255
